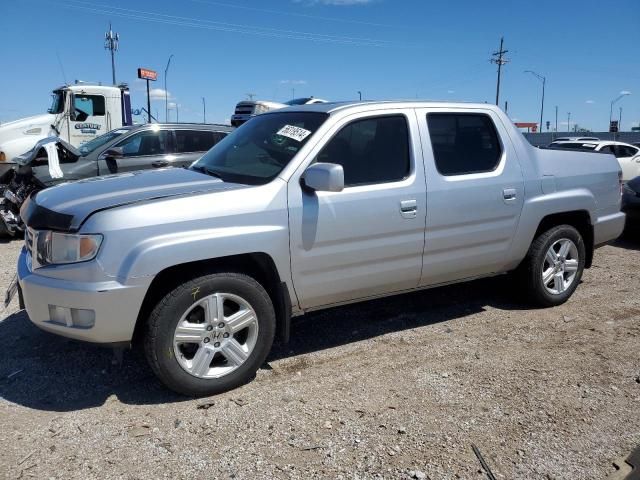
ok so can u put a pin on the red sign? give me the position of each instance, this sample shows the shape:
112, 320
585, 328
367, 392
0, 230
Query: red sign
147, 74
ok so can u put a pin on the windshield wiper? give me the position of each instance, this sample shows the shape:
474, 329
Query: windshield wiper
203, 169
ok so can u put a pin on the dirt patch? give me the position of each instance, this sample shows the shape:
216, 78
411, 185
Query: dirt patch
393, 388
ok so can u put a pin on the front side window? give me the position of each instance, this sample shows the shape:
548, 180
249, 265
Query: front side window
196, 140
260, 149
372, 150
57, 102
464, 143
622, 151
146, 143
85, 106
97, 142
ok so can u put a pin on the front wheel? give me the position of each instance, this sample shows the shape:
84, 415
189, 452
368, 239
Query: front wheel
554, 265
210, 334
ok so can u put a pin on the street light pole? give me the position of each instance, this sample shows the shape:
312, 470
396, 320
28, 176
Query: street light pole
622, 94
166, 98
543, 79
204, 111
360, 95
620, 120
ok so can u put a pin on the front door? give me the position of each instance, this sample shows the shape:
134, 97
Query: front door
475, 193
87, 118
368, 239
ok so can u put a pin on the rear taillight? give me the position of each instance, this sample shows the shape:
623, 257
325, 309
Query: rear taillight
620, 182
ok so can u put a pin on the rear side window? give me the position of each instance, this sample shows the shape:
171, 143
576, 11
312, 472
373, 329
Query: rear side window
372, 150
196, 140
463, 143
146, 143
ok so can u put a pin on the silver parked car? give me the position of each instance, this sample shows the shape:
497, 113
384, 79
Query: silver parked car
302, 209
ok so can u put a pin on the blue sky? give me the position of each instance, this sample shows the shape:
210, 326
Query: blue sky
588, 50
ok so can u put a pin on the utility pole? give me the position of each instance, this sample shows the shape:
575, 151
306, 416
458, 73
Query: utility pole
360, 95
500, 61
506, 107
111, 43
569, 122
166, 95
543, 79
293, 93
250, 95
556, 119
204, 111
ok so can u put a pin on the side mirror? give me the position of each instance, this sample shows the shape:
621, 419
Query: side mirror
324, 177
113, 153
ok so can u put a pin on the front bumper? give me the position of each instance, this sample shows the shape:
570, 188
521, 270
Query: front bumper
115, 306
607, 228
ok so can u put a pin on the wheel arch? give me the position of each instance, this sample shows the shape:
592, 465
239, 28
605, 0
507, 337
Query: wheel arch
580, 220
258, 265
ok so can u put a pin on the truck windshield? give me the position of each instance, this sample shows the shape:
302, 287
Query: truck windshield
57, 102
90, 146
258, 151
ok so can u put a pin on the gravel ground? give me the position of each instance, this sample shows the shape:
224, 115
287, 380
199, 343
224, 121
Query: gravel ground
394, 388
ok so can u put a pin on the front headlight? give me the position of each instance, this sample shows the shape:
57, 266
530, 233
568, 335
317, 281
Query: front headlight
53, 248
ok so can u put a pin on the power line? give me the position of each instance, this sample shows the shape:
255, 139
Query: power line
498, 58
111, 43
294, 14
223, 26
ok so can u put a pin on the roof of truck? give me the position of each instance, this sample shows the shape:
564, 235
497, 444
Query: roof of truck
331, 107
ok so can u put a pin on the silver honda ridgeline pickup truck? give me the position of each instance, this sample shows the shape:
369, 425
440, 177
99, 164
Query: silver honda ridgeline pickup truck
302, 209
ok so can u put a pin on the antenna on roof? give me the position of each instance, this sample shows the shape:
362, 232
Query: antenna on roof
111, 43
64, 77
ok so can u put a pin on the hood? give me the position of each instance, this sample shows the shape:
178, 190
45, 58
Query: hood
17, 128
65, 207
28, 157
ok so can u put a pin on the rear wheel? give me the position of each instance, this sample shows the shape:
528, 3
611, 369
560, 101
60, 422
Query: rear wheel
554, 264
210, 334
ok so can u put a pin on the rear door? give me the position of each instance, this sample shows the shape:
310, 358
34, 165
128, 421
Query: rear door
475, 193
149, 148
367, 239
192, 144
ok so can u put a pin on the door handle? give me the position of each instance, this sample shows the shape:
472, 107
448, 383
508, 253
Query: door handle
409, 208
509, 194
160, 163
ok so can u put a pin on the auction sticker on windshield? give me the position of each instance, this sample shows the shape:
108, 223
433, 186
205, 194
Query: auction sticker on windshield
296, 133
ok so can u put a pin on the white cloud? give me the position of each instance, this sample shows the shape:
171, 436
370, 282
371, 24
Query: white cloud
158, 94
625, 92
293, 82
174, 104
451, 91
590, 102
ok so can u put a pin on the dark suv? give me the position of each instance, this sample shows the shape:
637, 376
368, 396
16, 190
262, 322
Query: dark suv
53, 161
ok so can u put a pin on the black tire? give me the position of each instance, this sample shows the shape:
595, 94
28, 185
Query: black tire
531, 269
162, 323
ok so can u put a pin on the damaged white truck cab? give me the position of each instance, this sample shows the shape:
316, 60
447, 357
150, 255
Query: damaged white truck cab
78, 113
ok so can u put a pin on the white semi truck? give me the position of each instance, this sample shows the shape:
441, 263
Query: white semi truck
78, 113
